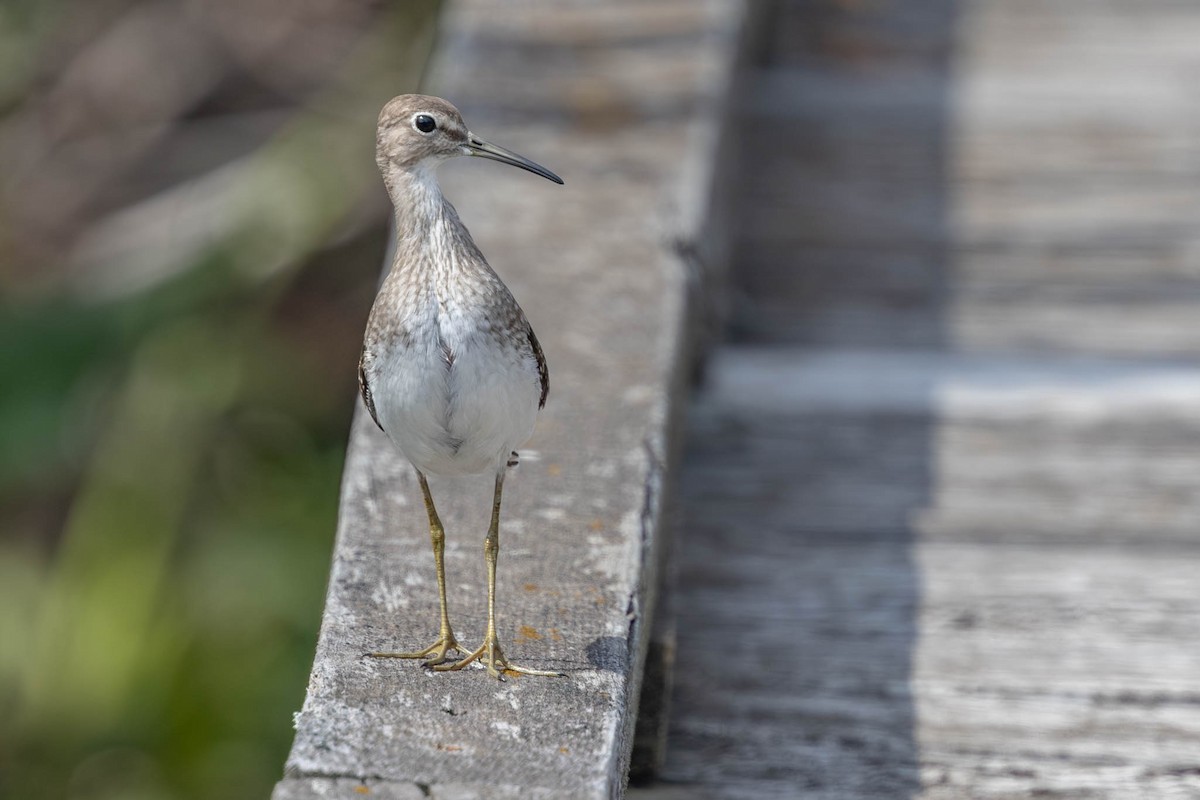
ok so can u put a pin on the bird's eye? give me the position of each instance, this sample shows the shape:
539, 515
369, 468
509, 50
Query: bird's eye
424, 123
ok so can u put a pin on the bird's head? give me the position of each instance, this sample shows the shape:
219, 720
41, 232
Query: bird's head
419, 131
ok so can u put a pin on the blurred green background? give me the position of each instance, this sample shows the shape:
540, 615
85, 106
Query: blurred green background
191, 229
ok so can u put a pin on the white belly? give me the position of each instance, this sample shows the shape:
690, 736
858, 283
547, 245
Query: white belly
459, 415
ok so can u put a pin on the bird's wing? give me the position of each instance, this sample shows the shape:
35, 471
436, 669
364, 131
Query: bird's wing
543, 370
365, 390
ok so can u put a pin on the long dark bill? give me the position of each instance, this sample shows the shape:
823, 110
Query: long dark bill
478, 147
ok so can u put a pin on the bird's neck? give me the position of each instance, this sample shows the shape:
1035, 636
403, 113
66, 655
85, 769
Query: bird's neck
417, 200
429, 234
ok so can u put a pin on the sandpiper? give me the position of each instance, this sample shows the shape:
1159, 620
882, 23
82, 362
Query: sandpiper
451, 370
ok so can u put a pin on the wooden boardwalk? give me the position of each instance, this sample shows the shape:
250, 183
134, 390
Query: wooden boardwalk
942, 496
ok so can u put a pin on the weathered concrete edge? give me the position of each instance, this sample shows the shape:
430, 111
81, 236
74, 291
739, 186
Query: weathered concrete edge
693, 248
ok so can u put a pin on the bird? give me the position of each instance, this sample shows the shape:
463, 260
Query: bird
451, 370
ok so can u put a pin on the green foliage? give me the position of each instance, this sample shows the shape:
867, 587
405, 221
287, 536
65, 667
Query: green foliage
169, 471
160, 649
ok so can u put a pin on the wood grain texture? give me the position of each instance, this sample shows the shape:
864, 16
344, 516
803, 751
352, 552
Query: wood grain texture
596, 267
905, 602
941, 491
1008, 175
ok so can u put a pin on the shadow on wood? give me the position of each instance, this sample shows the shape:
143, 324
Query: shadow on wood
799, 592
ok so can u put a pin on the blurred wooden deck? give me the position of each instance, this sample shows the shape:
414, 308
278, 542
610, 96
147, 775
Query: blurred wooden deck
942, 496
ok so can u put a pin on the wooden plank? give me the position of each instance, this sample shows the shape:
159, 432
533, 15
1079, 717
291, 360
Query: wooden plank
794, 649
994, 600
596, 268
1065, 671
940, 540
1040, 162
1049, 450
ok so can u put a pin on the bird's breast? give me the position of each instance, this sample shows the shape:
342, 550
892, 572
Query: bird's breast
451, 392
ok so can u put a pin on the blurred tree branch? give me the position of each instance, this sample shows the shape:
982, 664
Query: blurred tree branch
65, 153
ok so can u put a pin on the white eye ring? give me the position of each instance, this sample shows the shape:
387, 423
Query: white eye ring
424, 123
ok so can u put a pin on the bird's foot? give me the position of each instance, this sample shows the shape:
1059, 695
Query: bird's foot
491, 656
435, 654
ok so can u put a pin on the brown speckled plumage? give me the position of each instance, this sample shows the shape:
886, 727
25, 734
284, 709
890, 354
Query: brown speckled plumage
451, 369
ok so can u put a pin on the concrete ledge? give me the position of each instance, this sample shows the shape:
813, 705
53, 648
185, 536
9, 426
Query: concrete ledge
622, 99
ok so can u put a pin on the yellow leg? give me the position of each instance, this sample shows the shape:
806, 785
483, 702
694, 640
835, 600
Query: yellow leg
489, 653
437, 652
